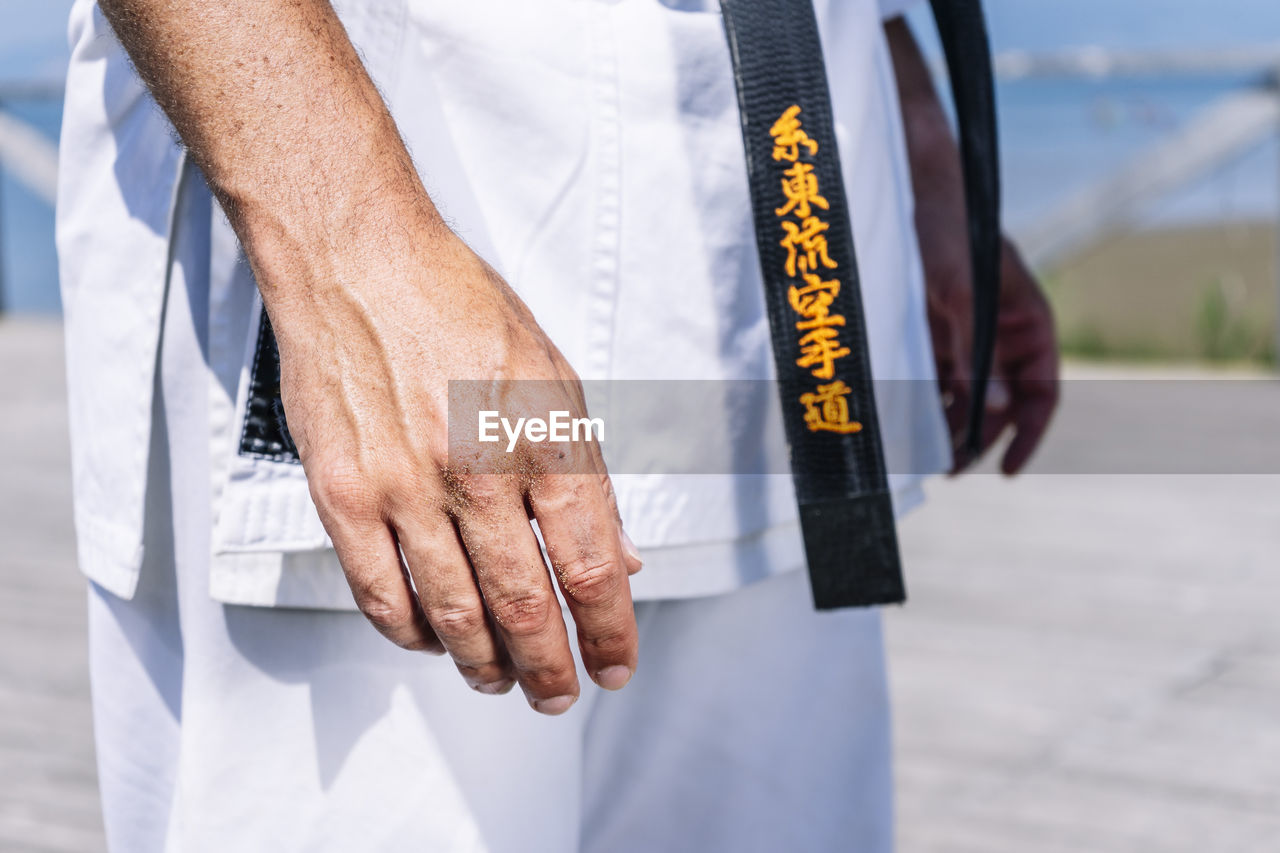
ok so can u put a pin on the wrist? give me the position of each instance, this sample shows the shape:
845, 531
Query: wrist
338, 229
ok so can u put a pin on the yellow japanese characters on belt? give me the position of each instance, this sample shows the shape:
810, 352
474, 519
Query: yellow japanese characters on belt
826, 408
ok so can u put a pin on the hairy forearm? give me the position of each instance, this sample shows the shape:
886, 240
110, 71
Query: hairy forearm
275, 106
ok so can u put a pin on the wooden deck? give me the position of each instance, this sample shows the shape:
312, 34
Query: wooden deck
1088, 663
48, 793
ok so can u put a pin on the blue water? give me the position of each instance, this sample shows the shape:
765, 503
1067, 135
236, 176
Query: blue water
1057, 135
32, 47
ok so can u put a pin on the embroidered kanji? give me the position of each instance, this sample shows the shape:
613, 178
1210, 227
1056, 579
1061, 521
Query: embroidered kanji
806, 245
820, 348
826, 409
789, 138
800, 186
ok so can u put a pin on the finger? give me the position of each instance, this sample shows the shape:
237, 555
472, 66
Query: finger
595, 460
518, 594
1032, 423
995, 420
631, 558
1030, 359
587, 557
994, 423
957, 400
380, 585
631, 553
370, 557
1035, 401
452, 603
951, 357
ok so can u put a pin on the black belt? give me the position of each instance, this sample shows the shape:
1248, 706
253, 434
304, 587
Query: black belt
805, 239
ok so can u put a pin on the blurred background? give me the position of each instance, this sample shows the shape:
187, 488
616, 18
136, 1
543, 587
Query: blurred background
1090, 661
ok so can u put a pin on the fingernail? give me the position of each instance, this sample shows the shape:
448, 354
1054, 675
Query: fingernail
555, 706
495, 688
630, 547
613, 677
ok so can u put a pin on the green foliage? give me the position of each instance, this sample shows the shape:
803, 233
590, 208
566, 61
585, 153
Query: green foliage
1223, 331
1218, 322
1087, 342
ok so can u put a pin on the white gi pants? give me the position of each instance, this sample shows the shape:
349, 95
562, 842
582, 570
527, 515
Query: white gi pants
752, 724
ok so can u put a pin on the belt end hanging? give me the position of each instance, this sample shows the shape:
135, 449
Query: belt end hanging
852, 550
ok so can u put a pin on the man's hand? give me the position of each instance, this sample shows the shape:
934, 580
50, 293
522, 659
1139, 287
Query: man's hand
1024, 385
366, 373
1024, 388
376, 305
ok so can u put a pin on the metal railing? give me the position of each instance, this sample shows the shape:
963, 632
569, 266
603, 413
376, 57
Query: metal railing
1220, 133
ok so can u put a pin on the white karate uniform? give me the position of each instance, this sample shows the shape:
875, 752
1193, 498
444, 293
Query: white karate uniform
590, 149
